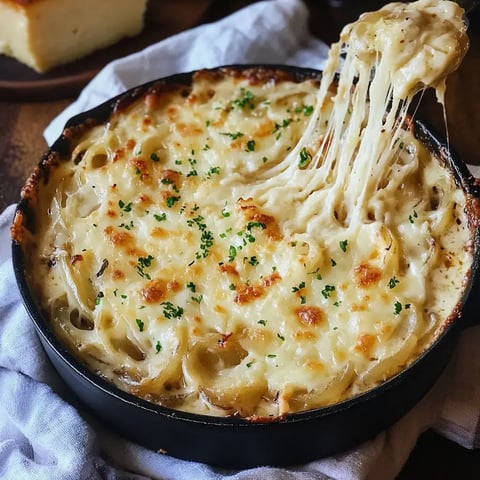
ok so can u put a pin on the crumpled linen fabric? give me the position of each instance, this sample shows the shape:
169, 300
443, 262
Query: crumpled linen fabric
269, 32
46, 434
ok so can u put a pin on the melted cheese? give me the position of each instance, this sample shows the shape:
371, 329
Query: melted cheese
244, 247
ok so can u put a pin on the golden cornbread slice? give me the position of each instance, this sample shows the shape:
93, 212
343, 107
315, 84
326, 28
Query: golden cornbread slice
46, 33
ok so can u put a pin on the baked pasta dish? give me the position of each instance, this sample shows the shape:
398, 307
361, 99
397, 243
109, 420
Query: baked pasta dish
258, 242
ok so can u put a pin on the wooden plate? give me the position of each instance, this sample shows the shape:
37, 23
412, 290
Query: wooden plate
20, 83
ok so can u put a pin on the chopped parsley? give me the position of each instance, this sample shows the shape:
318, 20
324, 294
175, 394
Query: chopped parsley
307, 110
125, 207
232, 136
343, 245
225, 213
281, 337
127, 226
232, 253
252, 225
171, 311
285, 123
305, 158
197, 299
140, 324
158, 346
213, 171
206, 241
253, 261
192, 287
160, 217
251, 146
246, 99
142, 263
300, 286
193, 172
100, 295
198, 221
393, 282
328, 290
317, 274
154, 157
262, 322
397, 308
413, 216
171, 201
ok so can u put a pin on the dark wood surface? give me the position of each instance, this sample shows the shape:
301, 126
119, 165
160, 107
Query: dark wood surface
22, 122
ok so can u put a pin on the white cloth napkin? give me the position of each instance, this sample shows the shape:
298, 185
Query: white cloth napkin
46, 434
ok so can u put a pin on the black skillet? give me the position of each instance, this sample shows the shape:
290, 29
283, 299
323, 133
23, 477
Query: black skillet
239, 443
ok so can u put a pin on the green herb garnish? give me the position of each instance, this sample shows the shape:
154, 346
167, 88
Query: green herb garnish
397, 308
246, 99
142, 263
327, 291
233, 136
171, 311
300, 286
393, 282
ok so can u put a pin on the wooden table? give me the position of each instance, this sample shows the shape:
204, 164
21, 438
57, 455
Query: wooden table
21, 145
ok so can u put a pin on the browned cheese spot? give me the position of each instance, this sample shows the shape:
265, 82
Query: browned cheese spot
119, 239
252, 213
248, 293
118, 275
155, 291
365, 343
130, 145
309, 316
271, 279
367, 275
228, 269
170, 177
188, 129
159, 232
118, 154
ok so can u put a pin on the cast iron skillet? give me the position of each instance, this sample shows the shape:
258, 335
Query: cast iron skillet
235, 442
